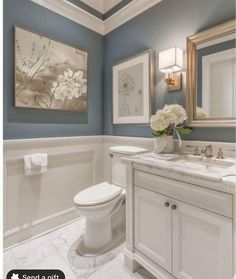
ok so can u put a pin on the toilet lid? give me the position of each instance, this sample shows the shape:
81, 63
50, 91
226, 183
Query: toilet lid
97, 194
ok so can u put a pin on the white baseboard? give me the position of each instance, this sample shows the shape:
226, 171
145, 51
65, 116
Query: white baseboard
38, 227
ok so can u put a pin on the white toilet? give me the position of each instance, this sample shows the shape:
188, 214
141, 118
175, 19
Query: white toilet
100, 202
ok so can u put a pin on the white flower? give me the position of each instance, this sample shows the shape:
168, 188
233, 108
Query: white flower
69, 85
126, 84
169, 116
177, 112
201, 113
160, 121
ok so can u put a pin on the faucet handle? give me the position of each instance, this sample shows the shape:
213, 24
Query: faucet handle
220, 154
207, 150
196, 151
203, 149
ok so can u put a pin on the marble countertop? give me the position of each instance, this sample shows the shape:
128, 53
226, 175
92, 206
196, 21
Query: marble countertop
212, 173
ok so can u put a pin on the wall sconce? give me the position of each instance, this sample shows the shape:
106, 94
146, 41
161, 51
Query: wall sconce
171, 63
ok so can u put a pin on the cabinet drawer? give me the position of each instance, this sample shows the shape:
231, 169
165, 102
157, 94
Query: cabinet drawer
214, 201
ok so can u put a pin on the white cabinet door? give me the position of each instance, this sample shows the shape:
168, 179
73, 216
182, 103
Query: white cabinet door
202, 244
153, 226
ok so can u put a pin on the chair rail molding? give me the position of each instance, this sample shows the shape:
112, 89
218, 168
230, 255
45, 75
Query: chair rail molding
103, 27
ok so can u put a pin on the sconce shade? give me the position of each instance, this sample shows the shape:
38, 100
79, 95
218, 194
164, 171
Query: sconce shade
171, 60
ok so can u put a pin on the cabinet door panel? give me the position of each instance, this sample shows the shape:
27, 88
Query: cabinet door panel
202, 244
153, 226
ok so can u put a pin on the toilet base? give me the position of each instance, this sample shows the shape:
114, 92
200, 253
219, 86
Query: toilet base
97, 234
118, 236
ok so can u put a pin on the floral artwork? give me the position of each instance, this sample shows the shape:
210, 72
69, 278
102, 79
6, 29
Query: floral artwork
49, 74
132, 89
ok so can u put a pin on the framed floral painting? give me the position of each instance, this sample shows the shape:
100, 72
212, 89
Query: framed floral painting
49, 74
133, 83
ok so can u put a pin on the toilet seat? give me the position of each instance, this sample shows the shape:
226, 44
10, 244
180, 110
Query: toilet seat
97, 194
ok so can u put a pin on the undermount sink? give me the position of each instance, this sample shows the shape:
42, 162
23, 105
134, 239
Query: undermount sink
221, 163
203, 163
220, 167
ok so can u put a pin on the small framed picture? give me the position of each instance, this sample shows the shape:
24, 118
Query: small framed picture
133, 86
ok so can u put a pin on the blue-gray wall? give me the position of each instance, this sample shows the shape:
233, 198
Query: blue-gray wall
165, 25
27, 123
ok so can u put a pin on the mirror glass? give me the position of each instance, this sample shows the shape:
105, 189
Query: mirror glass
211, 76
216, 78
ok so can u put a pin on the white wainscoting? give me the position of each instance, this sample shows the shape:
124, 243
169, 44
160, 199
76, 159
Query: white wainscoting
35, 204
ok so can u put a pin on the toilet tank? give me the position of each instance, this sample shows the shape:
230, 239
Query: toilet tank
118, 169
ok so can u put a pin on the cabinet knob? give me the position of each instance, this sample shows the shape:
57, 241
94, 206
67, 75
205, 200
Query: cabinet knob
174, 206
167, 204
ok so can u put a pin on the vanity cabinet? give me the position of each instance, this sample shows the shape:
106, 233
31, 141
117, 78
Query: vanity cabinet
202, 243
179, 230
153, 226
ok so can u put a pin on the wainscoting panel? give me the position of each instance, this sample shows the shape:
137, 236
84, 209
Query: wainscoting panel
35, 204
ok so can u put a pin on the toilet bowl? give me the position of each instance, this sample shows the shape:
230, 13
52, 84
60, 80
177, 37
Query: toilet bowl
100, 202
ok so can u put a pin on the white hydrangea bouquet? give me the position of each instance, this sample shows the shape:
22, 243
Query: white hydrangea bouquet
163, 125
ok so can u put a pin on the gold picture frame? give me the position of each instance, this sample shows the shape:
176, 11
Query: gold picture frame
205, 36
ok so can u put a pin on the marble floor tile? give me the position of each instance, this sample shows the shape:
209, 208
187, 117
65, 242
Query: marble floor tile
143, 274
57, 250
54, 262
66, 241
33, 251
117, 269
9, 262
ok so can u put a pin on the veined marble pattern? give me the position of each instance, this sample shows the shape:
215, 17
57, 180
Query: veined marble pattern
56, 250
196, 170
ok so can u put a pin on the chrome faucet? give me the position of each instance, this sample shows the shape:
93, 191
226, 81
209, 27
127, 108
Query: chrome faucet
207, 151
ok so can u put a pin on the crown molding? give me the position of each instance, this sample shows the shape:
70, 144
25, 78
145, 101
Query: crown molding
74, 13
96, 5
128, 12
78, 15
108, 5
102, 6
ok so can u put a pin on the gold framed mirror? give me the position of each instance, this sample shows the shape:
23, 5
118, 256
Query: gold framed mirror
211, 77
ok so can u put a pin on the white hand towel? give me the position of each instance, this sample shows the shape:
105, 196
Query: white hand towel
35, 164
38, 160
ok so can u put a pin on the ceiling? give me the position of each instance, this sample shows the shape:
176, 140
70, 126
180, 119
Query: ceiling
102, 6
102, 26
